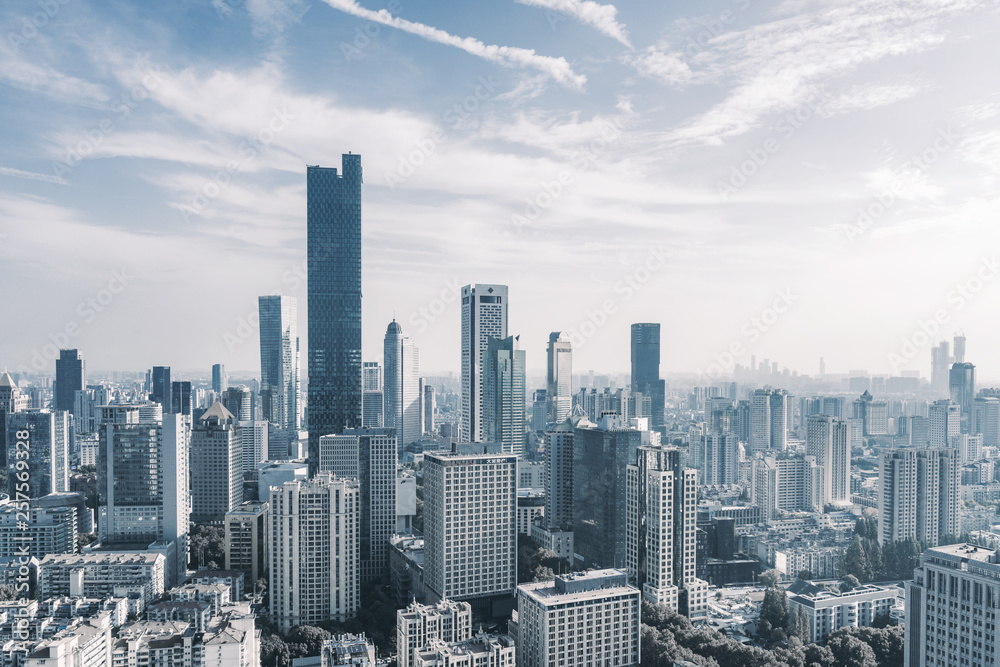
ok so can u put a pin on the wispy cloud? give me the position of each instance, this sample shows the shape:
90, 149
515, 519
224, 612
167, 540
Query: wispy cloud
508, 56
32, 176
602, 17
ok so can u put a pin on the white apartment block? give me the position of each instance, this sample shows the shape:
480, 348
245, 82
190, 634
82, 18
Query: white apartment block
944, 423
49, 530
101, 574
919, 494
768, 420
827, 612
420, 625
480, 651
470, 531
86, 645
786, 484
314, 551
577, 620
827, 439
951, 608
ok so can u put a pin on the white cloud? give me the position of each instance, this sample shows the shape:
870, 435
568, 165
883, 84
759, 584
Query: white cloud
32, 176
602, 17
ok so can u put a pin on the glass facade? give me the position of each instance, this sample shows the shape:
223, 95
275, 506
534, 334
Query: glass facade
279, 360
646, 368
334, 300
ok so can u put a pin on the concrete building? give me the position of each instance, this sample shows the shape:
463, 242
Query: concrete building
48, 530
919, 494
827, 612
372, 403
314, 564
216, 465
786, 484
100, 575
578, 620
484, 316
559, 377
503, 394
480, 651
87, 644
986, 419
254, 444
248, 539
716, 456
768, 420
271, 474
530, 507
419, 626
347, 651
827, 440
945, 419
402, 385
279, 360
39, 439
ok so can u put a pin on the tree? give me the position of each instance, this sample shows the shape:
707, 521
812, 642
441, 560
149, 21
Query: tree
207, 545
770, 578
306, 640
847, 649
798, 624
854, 560
83, 539
7, 593
849, 584
805, 575
774, 611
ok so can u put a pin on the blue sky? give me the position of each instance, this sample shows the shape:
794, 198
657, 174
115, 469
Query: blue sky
700, 164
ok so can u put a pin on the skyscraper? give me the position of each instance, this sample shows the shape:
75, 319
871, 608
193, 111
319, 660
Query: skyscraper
220, 381
503, 395
401, 393
484, 316
160, 389
428, 406
768, 420
70, 378
986, 419
279, 360
646, 368
216, 465
959, 346
962, 389
372, 403
716, 456
919, 494
11, 401
827, 438
238, 400
559, 483
38, 450
180, 398
941, 361
559, 378
944, 423
334, 300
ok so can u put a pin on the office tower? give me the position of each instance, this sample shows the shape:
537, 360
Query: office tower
11, 400
646, 368
944, 423
539, 416
428, 406
38, 457
160, 387
142, 482
873, 415
789, 484
220, 381
470, 532
180, 398
959, 346
334, 300
717, 456
279, 360
919, 495
314, 568
941, 361
402, 385
421, 625
369, 456
248, 539
959, 577
601, 455
503, 394
578, 620
768, 425
372, 404
238, 400
484, 316
660, 531
558, 523
70, 378
986, 419
216, 465
962, 388
36, 531
827, 439
559, 377
254, 444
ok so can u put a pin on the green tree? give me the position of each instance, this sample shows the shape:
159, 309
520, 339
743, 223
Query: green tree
769, 578
805, 575
849, 584
207, 545
848, 649
774, 611
854, 560
306, 640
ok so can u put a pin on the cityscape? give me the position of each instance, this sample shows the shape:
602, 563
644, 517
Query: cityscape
305, 418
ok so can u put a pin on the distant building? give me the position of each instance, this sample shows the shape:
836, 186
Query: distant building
503, 394
70, 378
372, 404
484, 316
39, 439
919, 494
768, 420
419, 626
220, 381
944, 423
786, 484
986, 419
216, 465
248, 539
279, 360
402, 385
559, 377
646, 380
827, 439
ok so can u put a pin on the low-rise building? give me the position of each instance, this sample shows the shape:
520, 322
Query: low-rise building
827, 611
420, 625
347, 651
480, 651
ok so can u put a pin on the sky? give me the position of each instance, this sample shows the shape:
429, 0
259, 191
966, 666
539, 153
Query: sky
791, 180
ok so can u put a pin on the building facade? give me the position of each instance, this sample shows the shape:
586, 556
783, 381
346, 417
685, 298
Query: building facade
919, 495
484, 316
401, 393
559, 377
279, 360
503, 395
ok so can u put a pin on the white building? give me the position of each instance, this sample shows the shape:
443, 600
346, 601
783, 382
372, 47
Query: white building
577, 620
480, 651
216, 465
314, 551
279, 360
530, 506
787, 484
986, 419
347, 651
85, 645
484, 316
401, 393
419, 626
48, 530
827, 612
944, 423
768, 420
559, 377
827, 439
253, 435
102, 574
919, 494
271, 474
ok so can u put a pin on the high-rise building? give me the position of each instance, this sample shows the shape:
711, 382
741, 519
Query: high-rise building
827, 439
314, 551
919, 494
421, 625
873, 415
661, 531
160, 388
216, 465
578, 620
70, 378
142, 481
334, 300
556, 533
38, 453
786, 484
372, 404
484, 316
559, 377
428, 406
962, 388
220, 381
248, 539
941, 361
470, 529
986, 419
239, 401
944, 423
402, 385
601, 455
11, 400
646, 368
717, 456
254, 443
369, 456
503, 394
279, 360
768, 420
36, 531
959, 346
180, 398
962, 577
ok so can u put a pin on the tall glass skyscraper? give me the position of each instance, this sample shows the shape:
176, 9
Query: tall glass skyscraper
503, 395
333, 239
484, 316
402, 385
279, 360
70, 378
559, 379
646, 368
